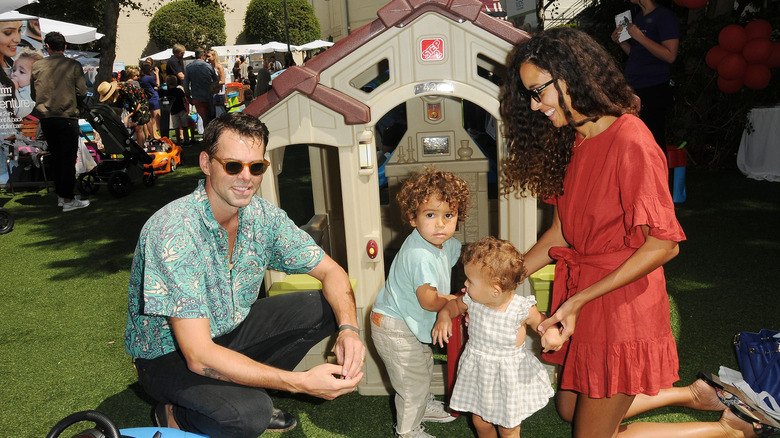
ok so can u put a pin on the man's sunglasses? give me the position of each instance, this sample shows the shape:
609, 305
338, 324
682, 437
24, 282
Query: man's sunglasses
234, 167
536, 93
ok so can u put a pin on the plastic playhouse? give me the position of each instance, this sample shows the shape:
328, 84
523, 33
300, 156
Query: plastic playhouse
441, 61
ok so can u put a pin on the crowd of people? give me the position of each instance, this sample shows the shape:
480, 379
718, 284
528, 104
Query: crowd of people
137, 94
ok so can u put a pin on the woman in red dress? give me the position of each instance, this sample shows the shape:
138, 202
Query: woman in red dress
574, 140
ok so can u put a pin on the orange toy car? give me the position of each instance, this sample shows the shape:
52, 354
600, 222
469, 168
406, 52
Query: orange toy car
166, 154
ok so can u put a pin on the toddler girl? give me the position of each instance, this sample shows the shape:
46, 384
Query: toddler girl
499, 381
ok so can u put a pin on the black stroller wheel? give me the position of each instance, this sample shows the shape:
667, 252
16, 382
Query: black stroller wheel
87, 184
6, 221
119, 184
149, 179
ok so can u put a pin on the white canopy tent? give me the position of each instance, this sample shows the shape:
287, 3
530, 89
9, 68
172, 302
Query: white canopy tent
73, 33
166, 55
316, 44
16, 16
10, 5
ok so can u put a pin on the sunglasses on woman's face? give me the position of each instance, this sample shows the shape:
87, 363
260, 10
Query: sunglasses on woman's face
234, 167
536, 93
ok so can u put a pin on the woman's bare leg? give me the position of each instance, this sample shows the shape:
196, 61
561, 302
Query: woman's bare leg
729, 426
599, 417
698, 395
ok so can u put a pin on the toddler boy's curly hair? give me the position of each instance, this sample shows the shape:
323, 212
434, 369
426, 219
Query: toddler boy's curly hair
430, 185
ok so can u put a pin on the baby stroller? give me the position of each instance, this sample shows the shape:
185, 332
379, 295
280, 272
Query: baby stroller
121, 162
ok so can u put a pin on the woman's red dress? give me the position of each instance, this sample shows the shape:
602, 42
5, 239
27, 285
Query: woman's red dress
623, 343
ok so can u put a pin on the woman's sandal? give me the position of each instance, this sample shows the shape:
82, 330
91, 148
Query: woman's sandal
760, 428
725, 397
742, 407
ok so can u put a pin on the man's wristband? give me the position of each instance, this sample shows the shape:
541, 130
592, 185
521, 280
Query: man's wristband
343, 327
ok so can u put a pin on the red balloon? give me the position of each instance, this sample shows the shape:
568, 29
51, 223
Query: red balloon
757, 76
774, 59
732, 38
757, 51
758, 29
696, 4
714, 56
732, 66
729, 86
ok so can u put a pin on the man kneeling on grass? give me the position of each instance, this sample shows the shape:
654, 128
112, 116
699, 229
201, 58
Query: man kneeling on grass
202, 343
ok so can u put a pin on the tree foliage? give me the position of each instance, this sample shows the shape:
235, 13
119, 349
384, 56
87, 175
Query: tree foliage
190, 22
264, 22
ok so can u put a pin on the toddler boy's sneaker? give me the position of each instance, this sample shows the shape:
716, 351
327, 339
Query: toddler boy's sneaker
435, 412
74, 204
417, 432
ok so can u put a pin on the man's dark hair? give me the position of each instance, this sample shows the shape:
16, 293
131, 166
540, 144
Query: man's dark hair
243, 124
55, 41
199, 52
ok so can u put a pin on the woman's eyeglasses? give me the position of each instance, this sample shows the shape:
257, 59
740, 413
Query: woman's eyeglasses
234, 167
536, 93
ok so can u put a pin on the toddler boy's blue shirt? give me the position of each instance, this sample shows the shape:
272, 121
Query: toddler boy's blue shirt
182, 268
418, 262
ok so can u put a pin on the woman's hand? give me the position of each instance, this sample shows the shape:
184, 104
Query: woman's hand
566, 315
635, 32
616, 34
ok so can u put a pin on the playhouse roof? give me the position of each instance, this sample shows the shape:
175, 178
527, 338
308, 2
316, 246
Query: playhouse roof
305, 79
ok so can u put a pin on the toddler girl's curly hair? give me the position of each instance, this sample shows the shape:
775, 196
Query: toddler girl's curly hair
501, 263
433, 183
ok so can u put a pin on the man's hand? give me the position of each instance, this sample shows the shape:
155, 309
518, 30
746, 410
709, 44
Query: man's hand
350, 354
324, 381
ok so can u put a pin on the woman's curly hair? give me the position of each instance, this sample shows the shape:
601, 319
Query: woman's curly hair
537, 151
420, 188
500, 262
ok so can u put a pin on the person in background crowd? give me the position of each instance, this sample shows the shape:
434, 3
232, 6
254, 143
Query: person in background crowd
651, 50
236, 71
149, 84
175, 66
58, 86
218, 98
197, 83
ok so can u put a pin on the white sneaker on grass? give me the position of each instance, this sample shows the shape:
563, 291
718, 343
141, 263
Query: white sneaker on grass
417, 432
61, 200
435, 412
74, 204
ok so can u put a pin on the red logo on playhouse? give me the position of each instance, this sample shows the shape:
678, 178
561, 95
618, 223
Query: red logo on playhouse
432, 49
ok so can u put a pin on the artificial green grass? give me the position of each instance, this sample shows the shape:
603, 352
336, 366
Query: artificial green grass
64, 277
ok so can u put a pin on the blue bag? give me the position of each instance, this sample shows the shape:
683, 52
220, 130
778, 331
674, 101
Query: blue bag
758, 355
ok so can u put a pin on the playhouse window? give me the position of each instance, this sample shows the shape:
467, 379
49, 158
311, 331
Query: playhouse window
490, 69
371, 78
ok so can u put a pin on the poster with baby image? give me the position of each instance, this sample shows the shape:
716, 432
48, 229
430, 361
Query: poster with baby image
622, 20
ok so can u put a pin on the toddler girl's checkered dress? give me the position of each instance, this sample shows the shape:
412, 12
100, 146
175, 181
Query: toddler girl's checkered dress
497, 380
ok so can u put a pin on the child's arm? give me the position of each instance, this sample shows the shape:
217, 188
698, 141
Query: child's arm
551, 339
431, 299
443, 328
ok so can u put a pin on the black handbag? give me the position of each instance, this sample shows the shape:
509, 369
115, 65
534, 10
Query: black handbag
758, 355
